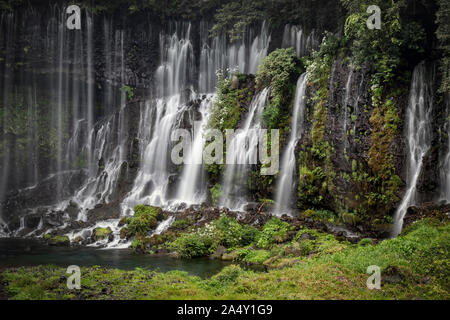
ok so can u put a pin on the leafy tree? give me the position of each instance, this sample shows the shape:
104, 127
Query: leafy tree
381, 48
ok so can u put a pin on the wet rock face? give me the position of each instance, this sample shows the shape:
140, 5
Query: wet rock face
427, 210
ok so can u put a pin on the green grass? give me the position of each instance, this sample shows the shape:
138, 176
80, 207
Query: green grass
336, 271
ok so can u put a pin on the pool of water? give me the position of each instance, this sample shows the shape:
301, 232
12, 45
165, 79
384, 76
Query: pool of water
24, 252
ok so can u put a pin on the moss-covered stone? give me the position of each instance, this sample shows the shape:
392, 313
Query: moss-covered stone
101, 233
78, 240
61, 241
144, 220
124, 233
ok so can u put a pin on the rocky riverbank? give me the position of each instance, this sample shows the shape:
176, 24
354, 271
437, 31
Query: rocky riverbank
413, 266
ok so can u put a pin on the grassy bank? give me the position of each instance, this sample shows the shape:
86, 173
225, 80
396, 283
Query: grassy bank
414, 266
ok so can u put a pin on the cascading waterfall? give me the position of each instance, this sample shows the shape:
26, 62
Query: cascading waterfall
286, 184
295, 37
242, 152
346, 104
445, 170
192, 188
159, 118
6, 89
357, 100
152, 183
106, 147
85, 157
418, 137
94, 151
217, 54
64, 110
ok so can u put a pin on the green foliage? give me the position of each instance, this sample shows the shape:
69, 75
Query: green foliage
252, 256
230, 233
227, 108
180, 224
328, 270
216, 193
224, 231
274, 231
280, 71
144, 220
312, 187
129, 91
320, 215
197, 244
225, 279
57, 240
234, 17
385, 121
382, 48
101, 233
365, 242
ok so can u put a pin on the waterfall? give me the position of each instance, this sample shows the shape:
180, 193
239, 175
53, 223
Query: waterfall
192, 188
348, 93
159, 118
106, 144
418, 137
218, 54
152, 183
445, 170
286, 183
242, 152
295, 37
86, 121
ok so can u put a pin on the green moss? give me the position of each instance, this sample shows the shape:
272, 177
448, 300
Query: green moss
225, 231
180, 224
57, 240
252, 256
279, 71
328, 270
144, 220
273, 232
231, 100
216, 193
101, 233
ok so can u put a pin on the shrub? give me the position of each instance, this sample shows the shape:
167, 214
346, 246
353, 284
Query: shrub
224, 231
279, 70
365, 242
252, 256
145, 219
231, 233
216, 193
192, 245
57, 240
180, 224
101, 233
274, 231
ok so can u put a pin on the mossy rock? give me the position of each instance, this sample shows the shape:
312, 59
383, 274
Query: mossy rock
78, 240
124, 221
144, 220
61, 241
181, 224
124, 233
351, 219
233, 255
101, 233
